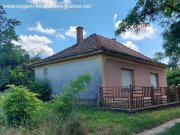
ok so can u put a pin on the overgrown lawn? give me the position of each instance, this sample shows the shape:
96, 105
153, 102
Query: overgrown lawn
117, 123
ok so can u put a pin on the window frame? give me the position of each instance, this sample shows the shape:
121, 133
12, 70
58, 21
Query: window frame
132, 76
45, 71
157, 79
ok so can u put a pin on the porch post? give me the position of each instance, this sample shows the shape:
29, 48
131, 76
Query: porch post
100, 97
131, 97
152, 95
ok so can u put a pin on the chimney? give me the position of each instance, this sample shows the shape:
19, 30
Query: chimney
79, 32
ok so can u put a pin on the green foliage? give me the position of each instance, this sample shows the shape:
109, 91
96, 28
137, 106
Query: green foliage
116, 123
172, 44
42, 88
166, 13
20, 75
13, 59
66, 102
159, 56
4, 76
173, 76
7, 28
145, 12
20, 105
75, 125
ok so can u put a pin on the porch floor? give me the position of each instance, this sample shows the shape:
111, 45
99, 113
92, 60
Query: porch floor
141, 108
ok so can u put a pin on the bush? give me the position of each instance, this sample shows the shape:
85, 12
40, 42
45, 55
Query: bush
173, 76
65, 103
20, 105
20, 75
42, 88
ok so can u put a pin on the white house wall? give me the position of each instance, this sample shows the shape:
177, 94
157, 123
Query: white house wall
62, 73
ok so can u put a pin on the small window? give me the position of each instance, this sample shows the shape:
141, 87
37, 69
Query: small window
126, 77
154, 80
45, 71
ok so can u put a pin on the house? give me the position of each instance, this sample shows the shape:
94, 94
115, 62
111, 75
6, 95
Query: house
108, 62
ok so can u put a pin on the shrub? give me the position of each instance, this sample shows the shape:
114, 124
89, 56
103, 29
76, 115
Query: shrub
20, 105
20, 75
65, 103
42, 88
173, 76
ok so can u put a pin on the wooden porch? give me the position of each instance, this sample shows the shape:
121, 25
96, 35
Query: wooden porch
138, 97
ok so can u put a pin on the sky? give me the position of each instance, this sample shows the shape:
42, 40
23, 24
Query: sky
50, 30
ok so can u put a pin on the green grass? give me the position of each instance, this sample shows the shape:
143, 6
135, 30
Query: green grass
97, 122
117, 123
175, 130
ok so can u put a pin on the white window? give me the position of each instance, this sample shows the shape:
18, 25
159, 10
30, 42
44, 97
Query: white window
154, 80
45, 71
126, 77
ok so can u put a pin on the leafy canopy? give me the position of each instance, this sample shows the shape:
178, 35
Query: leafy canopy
167, 14
173, 77
13, 59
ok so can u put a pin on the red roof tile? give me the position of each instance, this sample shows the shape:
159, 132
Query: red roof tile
92, 44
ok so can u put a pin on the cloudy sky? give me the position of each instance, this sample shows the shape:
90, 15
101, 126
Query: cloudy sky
51, 30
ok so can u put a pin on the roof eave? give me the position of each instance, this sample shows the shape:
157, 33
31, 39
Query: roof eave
133, 58
101, 50
33, 65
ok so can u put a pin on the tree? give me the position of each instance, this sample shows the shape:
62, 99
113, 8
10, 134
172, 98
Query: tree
159, 56
172, 44
166, 13
173, 77
13, 59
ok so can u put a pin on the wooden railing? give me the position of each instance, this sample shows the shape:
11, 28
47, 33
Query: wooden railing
136, 97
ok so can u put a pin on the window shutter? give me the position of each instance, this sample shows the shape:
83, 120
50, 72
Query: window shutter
154, 80
126, 77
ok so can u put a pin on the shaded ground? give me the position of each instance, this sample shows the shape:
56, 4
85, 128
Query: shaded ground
175, 130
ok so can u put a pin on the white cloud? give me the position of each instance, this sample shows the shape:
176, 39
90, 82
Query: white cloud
35, 44
71, 32
49, 2
114, 17
67, 2
41, 29
117, 24
44, 2
147, 32
60, 36
131, 45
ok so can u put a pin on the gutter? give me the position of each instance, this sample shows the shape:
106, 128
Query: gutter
98, 51
32, 65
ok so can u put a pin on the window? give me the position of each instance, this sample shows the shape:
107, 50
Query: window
45, 71
126, 77
154, 80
